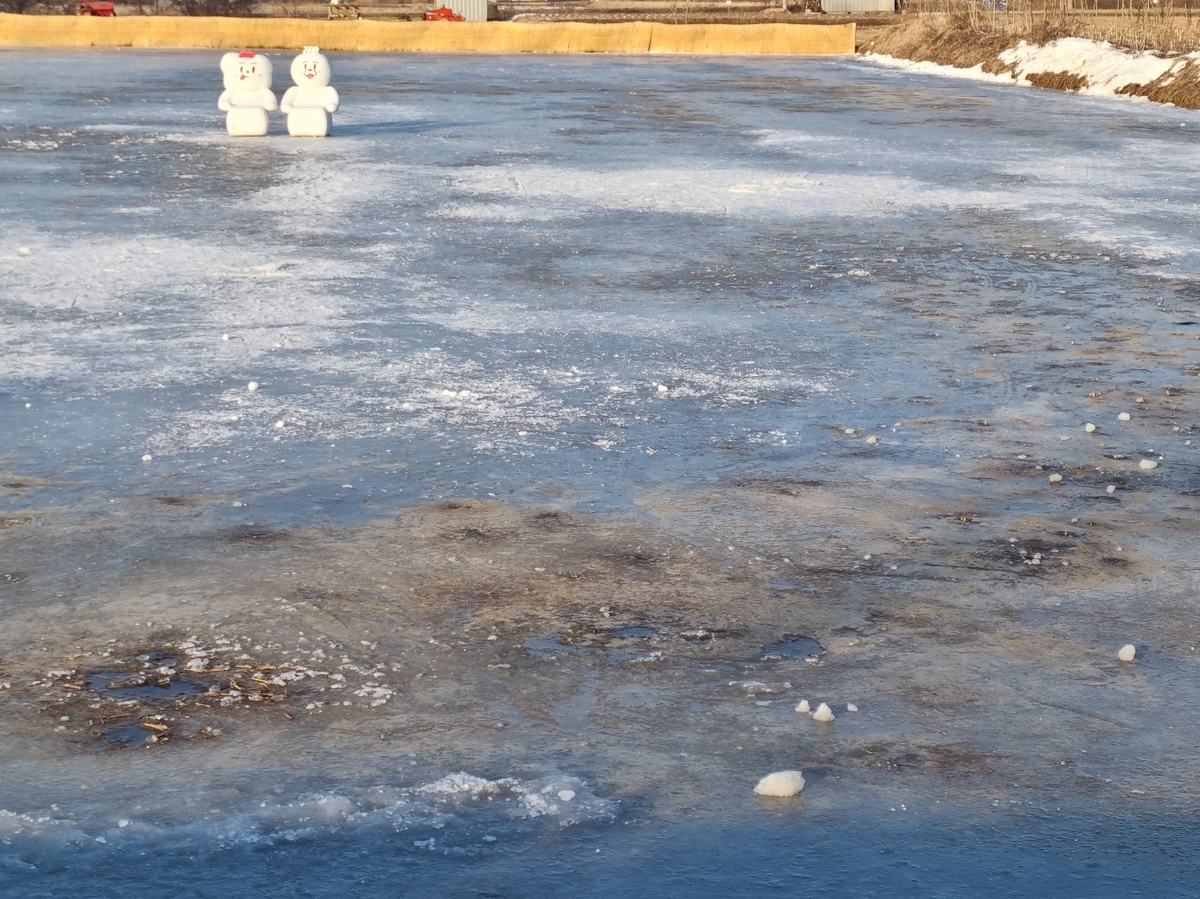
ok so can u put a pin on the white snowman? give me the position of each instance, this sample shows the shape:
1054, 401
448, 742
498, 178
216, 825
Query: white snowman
247, 97
312, 101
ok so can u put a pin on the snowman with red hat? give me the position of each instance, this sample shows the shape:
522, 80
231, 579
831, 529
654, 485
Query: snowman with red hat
247, 97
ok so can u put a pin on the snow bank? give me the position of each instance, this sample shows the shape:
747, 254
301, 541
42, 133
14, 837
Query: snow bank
1085, 66
1105, 68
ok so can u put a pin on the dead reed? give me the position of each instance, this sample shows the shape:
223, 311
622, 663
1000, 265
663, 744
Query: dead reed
1165, 26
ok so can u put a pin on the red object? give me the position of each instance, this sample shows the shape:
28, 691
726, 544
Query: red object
246, 54
96, 8
442, 14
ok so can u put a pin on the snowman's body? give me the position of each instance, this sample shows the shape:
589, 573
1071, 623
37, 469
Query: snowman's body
312, 101
247, 97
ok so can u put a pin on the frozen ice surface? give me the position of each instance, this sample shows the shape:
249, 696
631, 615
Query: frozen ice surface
569, 360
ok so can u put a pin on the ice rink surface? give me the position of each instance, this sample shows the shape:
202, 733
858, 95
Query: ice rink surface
587, 390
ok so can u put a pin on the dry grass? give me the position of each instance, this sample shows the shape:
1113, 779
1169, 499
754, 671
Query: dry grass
1166, 26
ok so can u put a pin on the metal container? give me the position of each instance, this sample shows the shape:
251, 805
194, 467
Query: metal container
853, 6
471, 10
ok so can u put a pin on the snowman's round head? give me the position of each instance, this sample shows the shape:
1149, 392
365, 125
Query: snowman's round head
246, 71
311, 68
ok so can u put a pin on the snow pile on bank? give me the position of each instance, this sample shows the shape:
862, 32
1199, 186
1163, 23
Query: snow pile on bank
1086, 66
926, 67
1104, 68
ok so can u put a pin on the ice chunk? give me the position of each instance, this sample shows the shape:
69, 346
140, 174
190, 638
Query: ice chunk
780, 783
1124, 416
803, 708
1090, 428
1127, 652
1147, 465
851, 707
823, 713
1055, 479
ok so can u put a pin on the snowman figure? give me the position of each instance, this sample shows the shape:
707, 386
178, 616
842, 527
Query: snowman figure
247, 97
311, 102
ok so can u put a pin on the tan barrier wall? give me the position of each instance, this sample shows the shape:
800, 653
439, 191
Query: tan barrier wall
423, 37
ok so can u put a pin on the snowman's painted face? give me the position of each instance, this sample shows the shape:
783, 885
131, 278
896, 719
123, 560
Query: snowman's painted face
246, 71
311, 70
248, 68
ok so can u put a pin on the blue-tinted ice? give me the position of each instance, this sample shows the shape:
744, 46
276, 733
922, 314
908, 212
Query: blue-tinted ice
590, 391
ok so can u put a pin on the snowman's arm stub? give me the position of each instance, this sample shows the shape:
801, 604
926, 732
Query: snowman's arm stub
331, 100
289, 96
269, 103
223, 103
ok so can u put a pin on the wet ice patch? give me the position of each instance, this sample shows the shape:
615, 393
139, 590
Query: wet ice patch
793, 646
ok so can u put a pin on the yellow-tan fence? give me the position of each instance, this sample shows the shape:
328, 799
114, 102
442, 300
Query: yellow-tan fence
424, 37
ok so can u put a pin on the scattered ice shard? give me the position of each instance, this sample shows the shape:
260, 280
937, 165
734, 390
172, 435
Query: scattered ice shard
823, 713
1127, 652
